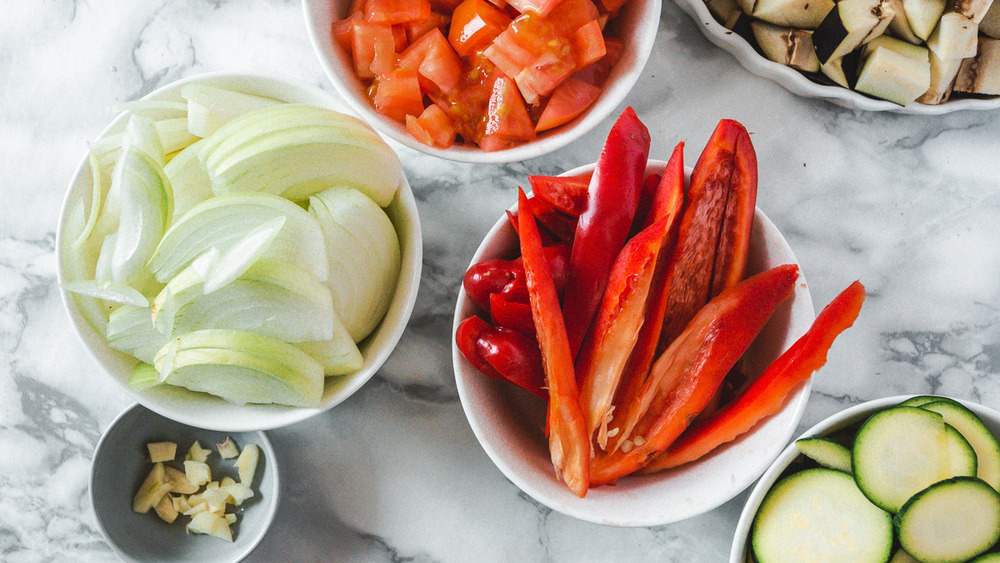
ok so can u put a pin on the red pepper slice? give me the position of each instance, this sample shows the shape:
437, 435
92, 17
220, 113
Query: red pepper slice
766, 395
506, 277
512, 314
723, 184
606, 349
693, 367
569, 446
602, 229
502, 354
667, 204
565, 193
650, 184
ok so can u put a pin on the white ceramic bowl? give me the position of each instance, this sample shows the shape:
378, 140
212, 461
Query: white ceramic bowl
829, 425
206, 411
642, 17
508, 421
121, 463
798, 83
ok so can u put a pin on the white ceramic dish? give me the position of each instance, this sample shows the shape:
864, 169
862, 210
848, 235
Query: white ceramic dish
508, 421
829, 425
121, 462
640, 16
799, 84
206, 411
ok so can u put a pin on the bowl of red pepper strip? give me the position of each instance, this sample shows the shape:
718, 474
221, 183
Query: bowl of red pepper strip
498, 118
510, 422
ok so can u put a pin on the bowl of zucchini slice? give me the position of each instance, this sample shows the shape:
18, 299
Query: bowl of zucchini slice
909, 56
898, 479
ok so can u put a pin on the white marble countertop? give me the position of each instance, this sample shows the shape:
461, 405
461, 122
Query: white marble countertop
909, 205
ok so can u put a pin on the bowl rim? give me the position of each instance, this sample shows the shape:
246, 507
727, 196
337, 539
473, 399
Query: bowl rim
767, 480
606, 103
796, 403
262, 441
797, 83
279, 416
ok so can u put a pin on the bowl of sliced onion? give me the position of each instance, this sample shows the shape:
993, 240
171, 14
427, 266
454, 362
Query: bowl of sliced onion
473, 82
236, 253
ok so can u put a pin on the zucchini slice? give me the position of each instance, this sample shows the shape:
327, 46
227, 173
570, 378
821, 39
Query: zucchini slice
979, 436
951, 521
825, 452
901, 451
987, 558
796, 518
925, 399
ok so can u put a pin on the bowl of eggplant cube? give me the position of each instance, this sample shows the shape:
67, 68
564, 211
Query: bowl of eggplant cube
908, 56
898, 479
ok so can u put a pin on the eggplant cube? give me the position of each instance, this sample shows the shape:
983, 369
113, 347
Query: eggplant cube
792, 47
891, 75
981, 74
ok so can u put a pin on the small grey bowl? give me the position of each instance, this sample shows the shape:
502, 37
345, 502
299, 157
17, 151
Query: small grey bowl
121, 463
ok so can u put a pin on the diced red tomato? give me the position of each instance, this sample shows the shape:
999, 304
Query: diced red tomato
343, 31
613, 5
474, 25
396, 11
438, 125
597, 73
398, 94
540, 7
373, 49
436, 61
571, 15
568, 100
506, 115
588, 44
417, 131
416, 30
400, 40
445, 5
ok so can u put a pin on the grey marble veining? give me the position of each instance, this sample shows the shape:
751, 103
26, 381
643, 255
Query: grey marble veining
909, 205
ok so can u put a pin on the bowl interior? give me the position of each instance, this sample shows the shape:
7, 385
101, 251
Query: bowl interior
639, 17
842, 419
206, 411
799, 84
509, 422
121, 462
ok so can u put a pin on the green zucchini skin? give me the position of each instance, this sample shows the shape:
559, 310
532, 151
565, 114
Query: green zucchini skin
951, 521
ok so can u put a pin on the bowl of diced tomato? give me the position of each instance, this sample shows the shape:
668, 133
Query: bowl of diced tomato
634, 343
483, 80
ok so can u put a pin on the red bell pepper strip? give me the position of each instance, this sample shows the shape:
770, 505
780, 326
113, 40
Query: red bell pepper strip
602, 358
650, 184
601, 232
569, 446
667, 204
512, 314
562, 226
716, 192
766, 395
565, 193
502, 354
694, 366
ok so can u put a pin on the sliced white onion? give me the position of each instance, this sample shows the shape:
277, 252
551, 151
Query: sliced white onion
209, 108
363, 250
223, 221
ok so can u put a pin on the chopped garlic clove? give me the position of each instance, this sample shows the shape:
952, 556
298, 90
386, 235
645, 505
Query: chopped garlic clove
197, 472
161, 451
179, 482
198, 453
152, 490
247, 464
227, 448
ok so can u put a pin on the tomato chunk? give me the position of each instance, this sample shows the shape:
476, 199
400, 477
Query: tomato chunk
540, 7
435, 60
568, 100
398, 94
416, 30
588, 44
396, 11
506, 116
374, 49
474, 25
438, 125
